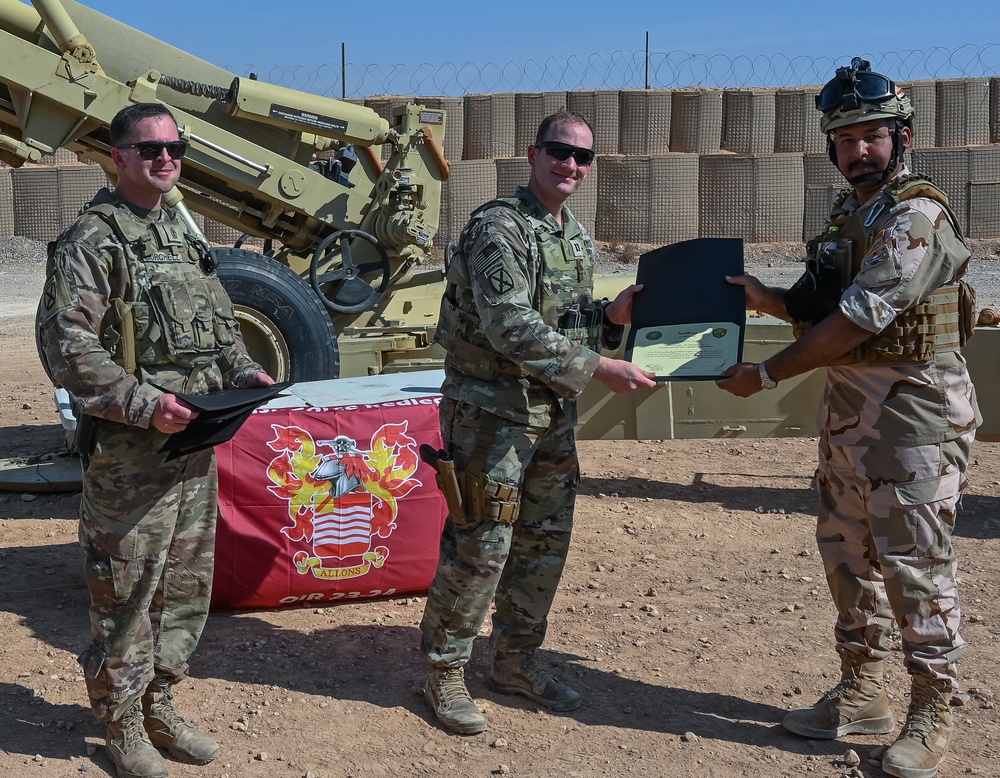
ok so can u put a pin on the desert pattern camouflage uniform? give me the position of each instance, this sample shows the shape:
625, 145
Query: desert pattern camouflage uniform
894, 447
147, 525
521, 330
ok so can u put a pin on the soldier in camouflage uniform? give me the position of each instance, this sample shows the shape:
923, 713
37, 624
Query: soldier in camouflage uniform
883, 307
131, 311
522, 334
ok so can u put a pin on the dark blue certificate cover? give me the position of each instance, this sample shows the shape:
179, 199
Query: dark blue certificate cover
688, 321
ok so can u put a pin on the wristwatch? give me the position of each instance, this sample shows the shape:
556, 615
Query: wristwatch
766, 382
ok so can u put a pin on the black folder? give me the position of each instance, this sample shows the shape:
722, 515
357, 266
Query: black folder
688, 311
220, 415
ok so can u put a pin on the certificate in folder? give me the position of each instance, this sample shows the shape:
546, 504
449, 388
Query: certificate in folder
688, 321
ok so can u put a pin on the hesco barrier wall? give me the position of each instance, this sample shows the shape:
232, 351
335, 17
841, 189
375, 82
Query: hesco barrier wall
672, 164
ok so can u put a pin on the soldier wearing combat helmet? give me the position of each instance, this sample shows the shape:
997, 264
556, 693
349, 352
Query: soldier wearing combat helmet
883, 308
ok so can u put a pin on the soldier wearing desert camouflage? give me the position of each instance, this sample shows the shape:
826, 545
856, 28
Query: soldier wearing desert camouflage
882, 306
522, 333
131, 312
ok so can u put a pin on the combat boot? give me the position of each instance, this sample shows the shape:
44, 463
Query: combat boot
167, 729
921, 746
447, 695
521, 674
130, 749
856, 705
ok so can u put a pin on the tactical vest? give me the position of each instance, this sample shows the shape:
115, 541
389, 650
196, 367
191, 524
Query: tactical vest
180, 314
944, 321
563, 274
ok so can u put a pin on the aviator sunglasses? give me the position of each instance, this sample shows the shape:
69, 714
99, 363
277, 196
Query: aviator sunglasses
563, 151
151, 149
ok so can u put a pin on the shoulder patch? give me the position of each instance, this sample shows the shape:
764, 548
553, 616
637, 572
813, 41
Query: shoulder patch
500, 279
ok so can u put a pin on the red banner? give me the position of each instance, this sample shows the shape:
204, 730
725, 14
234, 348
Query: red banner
320, 505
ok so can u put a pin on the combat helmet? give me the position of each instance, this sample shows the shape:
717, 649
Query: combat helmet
858, 94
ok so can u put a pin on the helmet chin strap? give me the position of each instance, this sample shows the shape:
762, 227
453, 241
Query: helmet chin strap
868, 179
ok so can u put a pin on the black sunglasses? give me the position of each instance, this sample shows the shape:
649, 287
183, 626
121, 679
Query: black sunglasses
563, 151
854, 85
151, 149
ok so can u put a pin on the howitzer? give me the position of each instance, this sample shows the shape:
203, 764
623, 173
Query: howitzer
343, 232
341, 286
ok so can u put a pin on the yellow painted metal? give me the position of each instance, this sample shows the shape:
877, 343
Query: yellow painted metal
983, 355
294, 110
240, 170
20, 19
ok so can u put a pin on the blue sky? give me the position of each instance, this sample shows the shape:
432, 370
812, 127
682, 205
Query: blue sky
274, 38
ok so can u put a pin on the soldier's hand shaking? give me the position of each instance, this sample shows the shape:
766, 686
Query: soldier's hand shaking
621, 376
171, 415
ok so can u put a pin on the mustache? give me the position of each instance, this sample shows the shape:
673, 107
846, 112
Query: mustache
861, 164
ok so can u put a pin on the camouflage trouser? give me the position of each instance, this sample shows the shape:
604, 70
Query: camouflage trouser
147, 527
885, 522
519, 563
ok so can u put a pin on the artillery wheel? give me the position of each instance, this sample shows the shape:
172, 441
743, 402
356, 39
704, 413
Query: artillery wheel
352, 290
284, 325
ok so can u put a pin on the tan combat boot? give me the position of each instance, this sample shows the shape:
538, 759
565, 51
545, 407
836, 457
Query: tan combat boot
130, 749
521, 674
921, 746
445, 692
857, 704
167, 729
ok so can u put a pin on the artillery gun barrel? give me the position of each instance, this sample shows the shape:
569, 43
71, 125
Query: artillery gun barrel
344, 226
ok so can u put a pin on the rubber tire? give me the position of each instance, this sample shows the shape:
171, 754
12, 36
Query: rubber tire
273, 290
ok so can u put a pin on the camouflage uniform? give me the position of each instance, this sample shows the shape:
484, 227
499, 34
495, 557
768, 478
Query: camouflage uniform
895, 440
521, 333
147, 525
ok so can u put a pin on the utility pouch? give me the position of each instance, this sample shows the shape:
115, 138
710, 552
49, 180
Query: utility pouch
966, 312
92, 660
85, 438
491, 500
118, 334
447, 481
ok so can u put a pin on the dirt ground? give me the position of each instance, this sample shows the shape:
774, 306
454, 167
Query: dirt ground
692, 615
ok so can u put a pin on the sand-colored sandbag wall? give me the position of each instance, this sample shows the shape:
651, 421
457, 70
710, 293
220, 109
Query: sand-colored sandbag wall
696, 121
970, 177
748, 121
923, 96
472, 183
995, 109
756, 197
822, 183
647, 199
671, 164
796, 121
963, 112
49, 199
6, 204
601, 108
489, 126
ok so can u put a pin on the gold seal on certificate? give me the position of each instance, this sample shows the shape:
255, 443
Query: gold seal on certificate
688, 321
